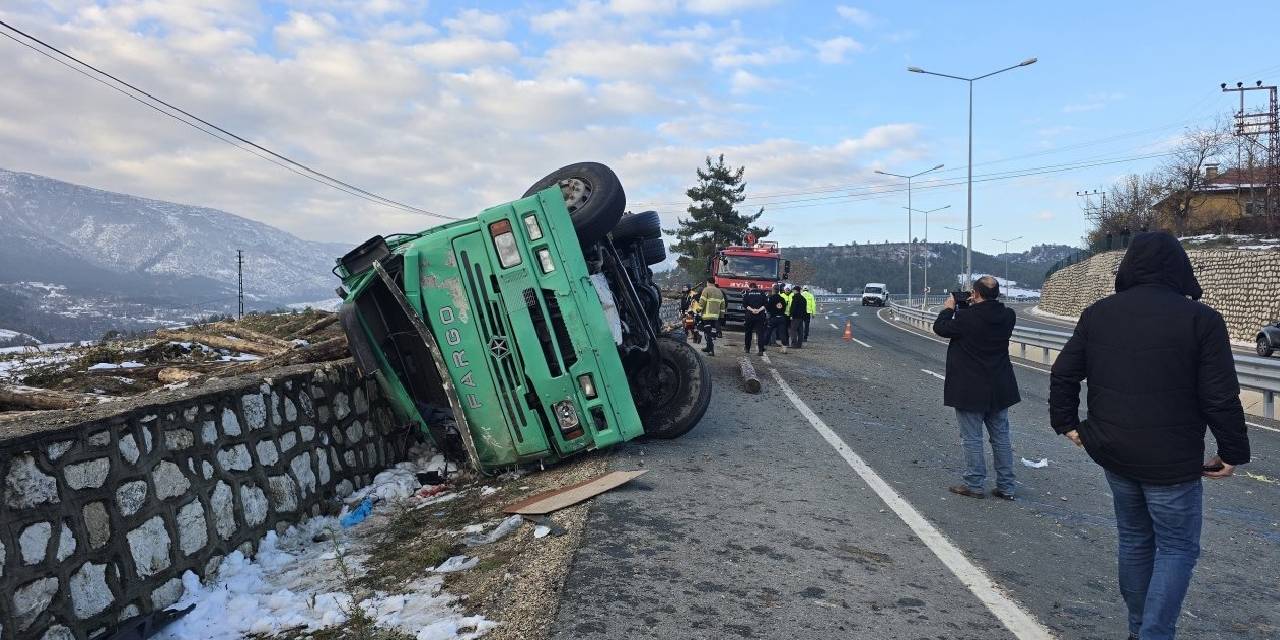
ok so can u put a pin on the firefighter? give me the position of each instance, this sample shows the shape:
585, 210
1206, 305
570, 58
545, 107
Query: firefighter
754, 304
712, 302
811, 309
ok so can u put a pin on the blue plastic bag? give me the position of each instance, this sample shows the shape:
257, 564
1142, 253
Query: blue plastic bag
357, 515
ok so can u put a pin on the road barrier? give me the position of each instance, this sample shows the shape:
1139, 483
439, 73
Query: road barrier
1260, 376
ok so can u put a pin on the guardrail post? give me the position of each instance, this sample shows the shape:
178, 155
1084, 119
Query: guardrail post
1022, 348
1268, 405
1046, 356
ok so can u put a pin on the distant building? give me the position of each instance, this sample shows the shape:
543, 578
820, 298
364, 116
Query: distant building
1222, 200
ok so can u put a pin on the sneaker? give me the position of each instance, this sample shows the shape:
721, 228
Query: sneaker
784, 348
962, 490
997, 493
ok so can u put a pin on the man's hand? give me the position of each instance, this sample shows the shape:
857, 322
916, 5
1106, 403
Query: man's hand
1074, 436
950, 303
1225, 471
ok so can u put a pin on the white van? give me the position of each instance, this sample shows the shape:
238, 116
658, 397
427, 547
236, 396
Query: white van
875, 294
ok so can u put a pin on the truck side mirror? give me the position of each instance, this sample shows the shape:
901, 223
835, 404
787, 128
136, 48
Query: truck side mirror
786, 269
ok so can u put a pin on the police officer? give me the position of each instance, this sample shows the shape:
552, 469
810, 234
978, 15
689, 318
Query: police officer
811, 309
777, 334
754, 302
798, 311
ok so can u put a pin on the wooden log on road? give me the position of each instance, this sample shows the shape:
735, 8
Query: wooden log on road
221, 342
750, 381
316, 326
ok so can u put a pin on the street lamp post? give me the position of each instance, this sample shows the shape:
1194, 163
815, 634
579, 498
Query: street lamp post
910, 245
969, 224
1006, 256
926, 245
966, 239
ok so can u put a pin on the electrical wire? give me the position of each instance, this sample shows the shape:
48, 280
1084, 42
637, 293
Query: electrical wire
271, 156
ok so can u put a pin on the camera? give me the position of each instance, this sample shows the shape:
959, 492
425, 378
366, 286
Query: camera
962, 299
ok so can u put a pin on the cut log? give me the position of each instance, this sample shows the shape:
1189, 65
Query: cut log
315, 326
249, 334
170, 375
33, 399
222, 342
328, 350
750, 381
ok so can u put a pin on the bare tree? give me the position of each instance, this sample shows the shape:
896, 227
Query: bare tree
1184, 173
1129, 205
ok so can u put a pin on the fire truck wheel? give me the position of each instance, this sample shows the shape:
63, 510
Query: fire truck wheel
655, 250
682, 394
645, 224
593, 195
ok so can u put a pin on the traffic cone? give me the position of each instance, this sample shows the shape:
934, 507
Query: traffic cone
848, 330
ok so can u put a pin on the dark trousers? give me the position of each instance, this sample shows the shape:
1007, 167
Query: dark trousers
709, 329
797, 332
807, 318
758, 326
777, 331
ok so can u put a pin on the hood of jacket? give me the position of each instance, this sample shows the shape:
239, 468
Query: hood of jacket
1157, 258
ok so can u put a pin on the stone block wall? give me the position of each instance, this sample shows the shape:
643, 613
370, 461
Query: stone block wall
103, 510
1244, 286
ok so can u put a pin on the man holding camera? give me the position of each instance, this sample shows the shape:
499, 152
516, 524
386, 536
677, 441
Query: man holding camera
980, 384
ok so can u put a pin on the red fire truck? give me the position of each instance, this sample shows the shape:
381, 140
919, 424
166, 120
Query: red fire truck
735, 267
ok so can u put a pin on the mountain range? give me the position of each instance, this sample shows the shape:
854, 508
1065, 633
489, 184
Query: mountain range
88, 247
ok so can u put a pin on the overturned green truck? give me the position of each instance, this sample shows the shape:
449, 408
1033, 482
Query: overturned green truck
536, 322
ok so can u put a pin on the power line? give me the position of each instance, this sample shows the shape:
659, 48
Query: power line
315, 175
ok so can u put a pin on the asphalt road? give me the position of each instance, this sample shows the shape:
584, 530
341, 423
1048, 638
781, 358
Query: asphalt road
753, 525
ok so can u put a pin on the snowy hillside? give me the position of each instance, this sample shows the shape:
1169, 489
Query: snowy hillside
56, 231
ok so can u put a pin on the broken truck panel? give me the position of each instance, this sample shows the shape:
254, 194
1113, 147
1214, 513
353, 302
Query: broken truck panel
528, 359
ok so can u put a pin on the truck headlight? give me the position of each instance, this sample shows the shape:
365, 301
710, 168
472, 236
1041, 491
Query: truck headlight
566, 415
531, 225
587, 385
544, 259
504, 242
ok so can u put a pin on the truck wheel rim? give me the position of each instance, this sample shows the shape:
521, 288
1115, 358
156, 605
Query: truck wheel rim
576, 192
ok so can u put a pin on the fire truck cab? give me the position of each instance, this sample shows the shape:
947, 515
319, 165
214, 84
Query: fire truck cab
735, 267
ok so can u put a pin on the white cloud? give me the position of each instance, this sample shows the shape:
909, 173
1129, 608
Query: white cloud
622, 60
302, 27
833, 51
478, 23
463, 51
1045, 215
743, 81
724, 7
855, 15
731, 57
636, 7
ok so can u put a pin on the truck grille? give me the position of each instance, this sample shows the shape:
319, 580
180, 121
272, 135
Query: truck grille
495, 331
552, 332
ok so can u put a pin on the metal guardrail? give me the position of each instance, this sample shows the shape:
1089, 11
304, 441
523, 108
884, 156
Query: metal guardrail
1261, 375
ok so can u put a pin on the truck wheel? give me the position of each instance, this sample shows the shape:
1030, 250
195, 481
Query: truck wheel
655, 250
682, 394
592, 193
645, 224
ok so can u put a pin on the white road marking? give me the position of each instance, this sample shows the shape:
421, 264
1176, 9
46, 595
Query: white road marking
1259, 426
1017, 620
934, 374
833, 326
861, 343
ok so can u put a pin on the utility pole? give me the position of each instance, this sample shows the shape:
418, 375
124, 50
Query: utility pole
1093, 210
910, 243
1254, 126
1006, 256
240, 283
926, 213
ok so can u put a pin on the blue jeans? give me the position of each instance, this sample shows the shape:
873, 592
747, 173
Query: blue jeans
1158, 527
997, 426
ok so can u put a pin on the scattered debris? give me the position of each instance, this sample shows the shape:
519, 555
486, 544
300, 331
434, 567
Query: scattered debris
504, 528
457, 563
1038, 464
144, 626
358, 515
545, 525
551, 501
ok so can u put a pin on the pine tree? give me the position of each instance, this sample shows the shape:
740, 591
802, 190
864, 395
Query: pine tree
714, 220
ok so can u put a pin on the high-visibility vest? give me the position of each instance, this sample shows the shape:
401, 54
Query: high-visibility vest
711, 308
811, 303
787, 297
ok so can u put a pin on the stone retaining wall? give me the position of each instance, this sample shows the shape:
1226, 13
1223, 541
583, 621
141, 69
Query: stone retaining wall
1244, 286
103, 510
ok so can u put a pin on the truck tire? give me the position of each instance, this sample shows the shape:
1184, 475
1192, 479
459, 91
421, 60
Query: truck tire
654, 249
682, 394
592, 193
643, 225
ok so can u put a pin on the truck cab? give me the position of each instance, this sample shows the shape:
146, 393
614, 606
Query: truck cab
527, 323
736, 267
875, 294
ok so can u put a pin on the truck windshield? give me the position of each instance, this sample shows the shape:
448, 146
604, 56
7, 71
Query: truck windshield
873, 290
750, 267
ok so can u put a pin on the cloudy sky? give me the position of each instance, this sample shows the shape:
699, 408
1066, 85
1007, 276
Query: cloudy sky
453, 106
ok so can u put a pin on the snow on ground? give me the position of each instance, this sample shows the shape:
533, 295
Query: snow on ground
51, 346
328, 304
129, 364
244, 357
1037, 311
295, 583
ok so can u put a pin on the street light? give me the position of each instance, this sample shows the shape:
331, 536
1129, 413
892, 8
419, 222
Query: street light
969, 224
926, 244
1006, 256
966, 240
910, 290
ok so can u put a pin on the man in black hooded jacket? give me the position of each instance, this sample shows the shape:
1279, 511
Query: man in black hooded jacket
1159, 368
